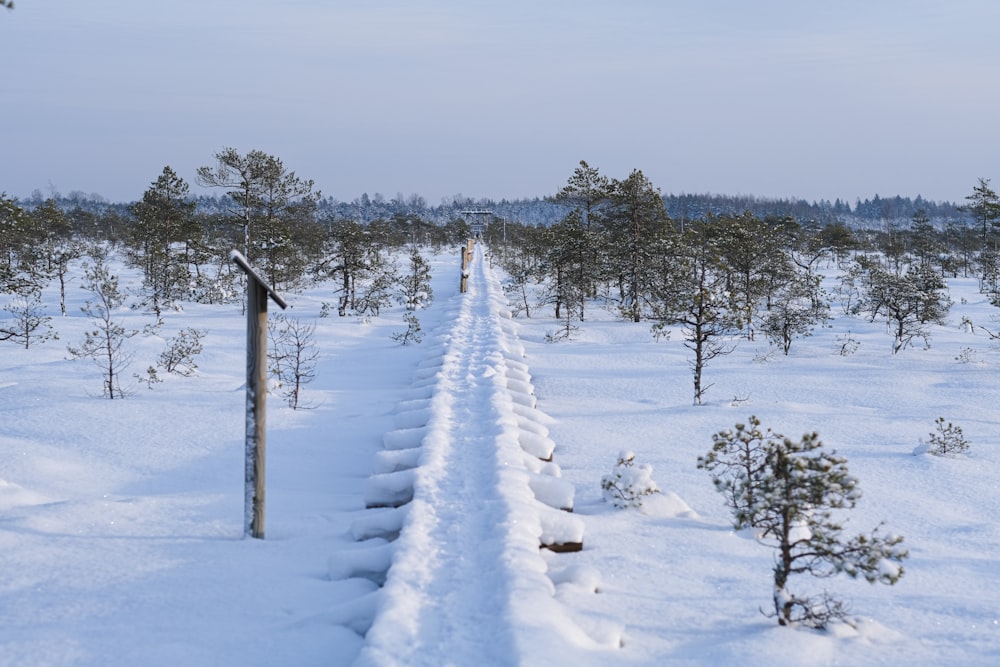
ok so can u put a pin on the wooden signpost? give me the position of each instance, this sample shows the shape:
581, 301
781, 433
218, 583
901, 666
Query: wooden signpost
258, 292
466, 260
463, 283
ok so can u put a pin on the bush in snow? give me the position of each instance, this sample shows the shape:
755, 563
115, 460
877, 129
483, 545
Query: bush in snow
847, 345
966, 356
628, 483
29, 323
292, 356
566, 330
787, 491
105, 343
412, 333
178, 356
947, 440
222, 287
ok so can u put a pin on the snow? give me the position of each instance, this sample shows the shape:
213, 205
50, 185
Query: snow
405, 510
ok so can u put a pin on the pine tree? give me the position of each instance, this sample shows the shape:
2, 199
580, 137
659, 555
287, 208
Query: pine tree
947, 440
689, 286
753, 255
164, 219
275, 208
787, 491
796, 308
353, 255
637, 218
984, 205
925, 243
589, 192
568, 265
412, 332
628, 484
520, 263
28, 322
56, 245
416, 282
14, 226
910, 302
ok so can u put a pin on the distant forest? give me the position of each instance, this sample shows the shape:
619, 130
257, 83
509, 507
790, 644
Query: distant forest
867, 213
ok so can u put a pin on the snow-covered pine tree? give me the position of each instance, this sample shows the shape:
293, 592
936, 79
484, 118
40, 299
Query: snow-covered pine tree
416, 282
910, 301
790, 503
628, 483
797, 307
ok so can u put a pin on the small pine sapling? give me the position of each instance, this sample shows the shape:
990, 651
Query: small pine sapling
151, 377
377, 292
847, 345
566, 330
178, 356
946, 440
628, 484
967, 355
412, 333
520, 273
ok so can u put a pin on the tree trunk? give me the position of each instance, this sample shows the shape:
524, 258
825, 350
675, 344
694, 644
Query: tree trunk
699, 362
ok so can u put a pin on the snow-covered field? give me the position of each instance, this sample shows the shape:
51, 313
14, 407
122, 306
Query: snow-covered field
121, 521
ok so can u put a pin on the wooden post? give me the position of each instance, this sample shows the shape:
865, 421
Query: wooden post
256, 397
465, 271
256, 435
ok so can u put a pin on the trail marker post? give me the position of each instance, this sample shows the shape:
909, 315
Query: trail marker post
258, 292
466, 260
464, 282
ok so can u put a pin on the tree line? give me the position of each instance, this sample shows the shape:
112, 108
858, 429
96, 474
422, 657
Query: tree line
183, 255
714, 276
721, 277
866, 213
267, 212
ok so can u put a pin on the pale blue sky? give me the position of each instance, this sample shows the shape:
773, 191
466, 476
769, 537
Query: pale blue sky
777, 98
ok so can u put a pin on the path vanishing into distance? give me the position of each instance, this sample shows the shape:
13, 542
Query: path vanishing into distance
468, 516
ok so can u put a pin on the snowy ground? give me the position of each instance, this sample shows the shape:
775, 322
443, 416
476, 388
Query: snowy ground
121, 521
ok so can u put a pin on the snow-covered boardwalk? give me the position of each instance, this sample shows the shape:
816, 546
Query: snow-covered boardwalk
461, 502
